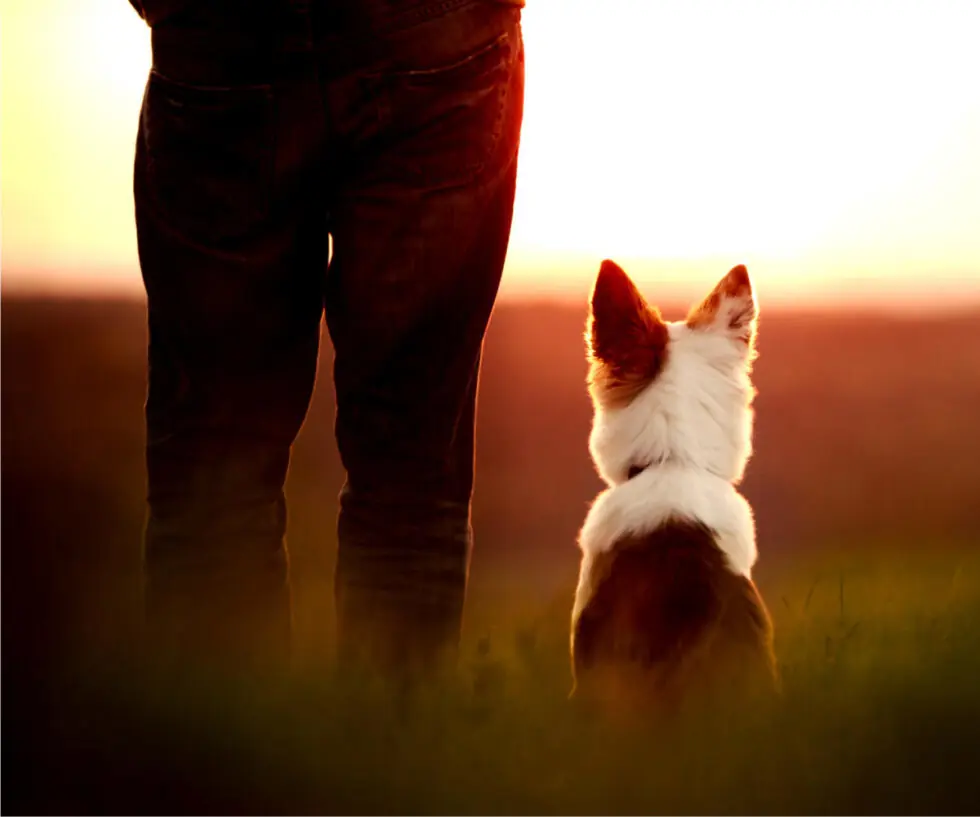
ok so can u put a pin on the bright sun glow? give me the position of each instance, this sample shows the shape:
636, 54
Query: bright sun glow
691, 128
818, 142
73, 76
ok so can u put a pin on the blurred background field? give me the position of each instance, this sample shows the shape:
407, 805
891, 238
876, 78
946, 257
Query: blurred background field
865, 481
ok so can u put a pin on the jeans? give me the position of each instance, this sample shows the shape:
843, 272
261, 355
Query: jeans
295, 158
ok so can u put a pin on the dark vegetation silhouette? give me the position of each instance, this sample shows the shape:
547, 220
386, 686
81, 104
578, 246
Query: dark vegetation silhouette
865, 483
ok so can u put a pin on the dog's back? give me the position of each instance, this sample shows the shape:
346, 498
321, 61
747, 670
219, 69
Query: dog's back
667, 620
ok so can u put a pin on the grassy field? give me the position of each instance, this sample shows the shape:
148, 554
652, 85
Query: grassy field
880, 714
865, 482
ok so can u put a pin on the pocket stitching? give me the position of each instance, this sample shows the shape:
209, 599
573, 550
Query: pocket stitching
187, 87
439, 70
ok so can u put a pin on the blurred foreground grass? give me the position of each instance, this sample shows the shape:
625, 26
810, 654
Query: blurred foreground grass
880, 714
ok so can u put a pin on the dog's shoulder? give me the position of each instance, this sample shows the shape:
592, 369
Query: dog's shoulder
660, 505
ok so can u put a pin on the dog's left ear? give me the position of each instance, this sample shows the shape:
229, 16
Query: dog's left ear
624, 332
730, 308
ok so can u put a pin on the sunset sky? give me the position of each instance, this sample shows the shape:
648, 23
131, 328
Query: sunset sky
834, 147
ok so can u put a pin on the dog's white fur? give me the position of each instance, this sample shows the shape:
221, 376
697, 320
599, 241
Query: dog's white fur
693, 426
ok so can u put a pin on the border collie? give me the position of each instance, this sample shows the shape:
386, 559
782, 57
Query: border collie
665, 608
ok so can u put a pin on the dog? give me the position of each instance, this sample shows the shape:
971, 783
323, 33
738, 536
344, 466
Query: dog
665, 610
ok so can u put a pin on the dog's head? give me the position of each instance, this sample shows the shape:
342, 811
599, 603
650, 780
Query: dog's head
671, 392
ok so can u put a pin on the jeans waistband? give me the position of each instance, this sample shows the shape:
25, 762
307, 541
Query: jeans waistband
264, 40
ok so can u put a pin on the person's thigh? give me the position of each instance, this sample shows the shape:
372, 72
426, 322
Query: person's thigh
421, 228
232, 245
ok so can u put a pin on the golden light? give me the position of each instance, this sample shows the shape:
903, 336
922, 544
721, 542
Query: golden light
824, 144
73, 76
828, 139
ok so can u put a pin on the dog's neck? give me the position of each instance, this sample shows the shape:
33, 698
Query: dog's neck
636, 470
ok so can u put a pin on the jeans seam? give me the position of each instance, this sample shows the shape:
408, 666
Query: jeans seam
420, 14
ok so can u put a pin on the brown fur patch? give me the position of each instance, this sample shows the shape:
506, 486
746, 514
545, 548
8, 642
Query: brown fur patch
735, 284
627, 339
668, 622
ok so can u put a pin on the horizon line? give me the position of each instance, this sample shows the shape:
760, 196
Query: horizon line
868, 293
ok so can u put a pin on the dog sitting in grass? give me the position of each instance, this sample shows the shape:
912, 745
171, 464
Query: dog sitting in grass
666, 610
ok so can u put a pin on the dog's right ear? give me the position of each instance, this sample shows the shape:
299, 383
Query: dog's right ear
729, 309
625, 333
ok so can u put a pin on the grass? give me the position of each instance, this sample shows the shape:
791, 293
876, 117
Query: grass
880, 714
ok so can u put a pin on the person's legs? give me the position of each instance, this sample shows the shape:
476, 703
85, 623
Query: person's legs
421, 225
232, 248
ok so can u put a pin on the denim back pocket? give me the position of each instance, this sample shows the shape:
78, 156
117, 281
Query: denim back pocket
442, 126
210, 157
